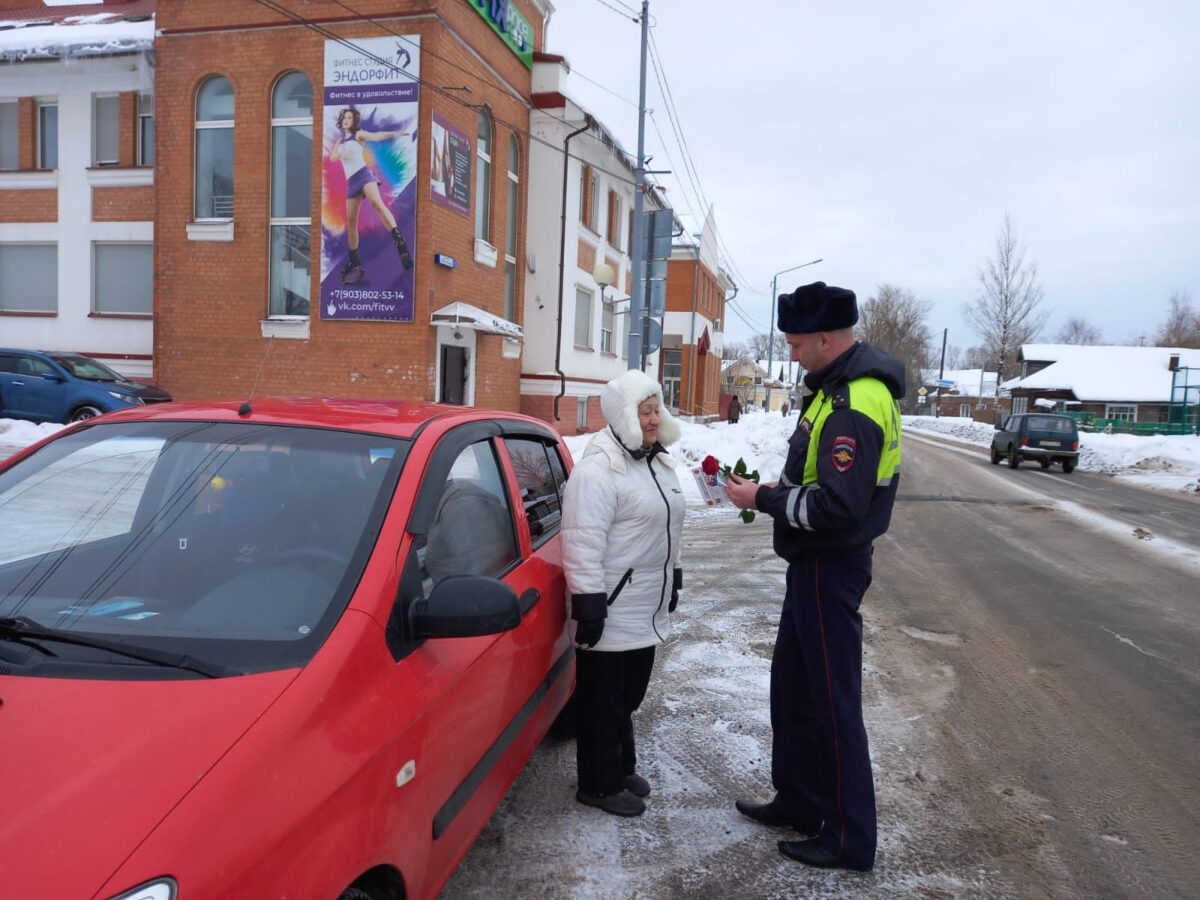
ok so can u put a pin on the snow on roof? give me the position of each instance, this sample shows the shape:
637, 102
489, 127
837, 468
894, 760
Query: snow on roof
1128, 374
966, 381
48, 33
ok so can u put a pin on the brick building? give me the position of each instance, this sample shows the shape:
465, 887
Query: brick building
249, 191
77, 188
693, 327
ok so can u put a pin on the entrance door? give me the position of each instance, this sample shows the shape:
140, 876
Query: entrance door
454, 375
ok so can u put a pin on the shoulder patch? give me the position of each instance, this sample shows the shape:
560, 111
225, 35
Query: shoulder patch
844, 450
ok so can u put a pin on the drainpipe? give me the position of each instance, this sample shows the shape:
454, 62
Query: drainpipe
694, 356
562, 263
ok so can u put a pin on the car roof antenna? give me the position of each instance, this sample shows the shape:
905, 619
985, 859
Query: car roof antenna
244, 409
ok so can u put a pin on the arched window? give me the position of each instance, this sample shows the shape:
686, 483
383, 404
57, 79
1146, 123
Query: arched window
512, 229
483, 178
214, 149
291, 195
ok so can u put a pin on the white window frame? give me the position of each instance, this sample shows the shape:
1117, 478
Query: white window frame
581, 412
1122, 412
142, 115
95, 270
1020, 406
198, 126
96, 160
512, 236
607, 314
273, 221
591, 302
964, 410
483, 178
39, 128
15, 133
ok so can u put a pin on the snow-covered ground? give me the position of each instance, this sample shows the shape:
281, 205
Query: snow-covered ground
15, 435
1162, 462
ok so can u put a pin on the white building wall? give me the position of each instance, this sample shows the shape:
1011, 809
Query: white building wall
71, 84
545, 237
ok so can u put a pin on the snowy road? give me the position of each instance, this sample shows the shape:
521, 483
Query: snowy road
1032, 695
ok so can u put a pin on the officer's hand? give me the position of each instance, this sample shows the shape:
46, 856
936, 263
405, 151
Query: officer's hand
742, 492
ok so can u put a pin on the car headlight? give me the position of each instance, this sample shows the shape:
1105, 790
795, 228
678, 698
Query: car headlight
158, 889
128, 398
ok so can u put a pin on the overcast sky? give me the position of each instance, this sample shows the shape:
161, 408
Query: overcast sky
890, 138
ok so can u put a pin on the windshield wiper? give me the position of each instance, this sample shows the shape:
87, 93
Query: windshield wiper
22, 628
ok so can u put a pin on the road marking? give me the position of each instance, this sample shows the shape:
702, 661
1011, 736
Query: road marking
1125, 640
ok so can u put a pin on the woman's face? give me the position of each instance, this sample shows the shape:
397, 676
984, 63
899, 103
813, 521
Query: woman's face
347, 121
648, 420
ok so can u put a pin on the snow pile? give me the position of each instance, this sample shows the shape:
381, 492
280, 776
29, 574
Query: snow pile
1164, 461
15, 434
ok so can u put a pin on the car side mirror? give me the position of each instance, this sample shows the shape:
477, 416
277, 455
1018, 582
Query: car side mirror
466, 606
53, 376
998, 427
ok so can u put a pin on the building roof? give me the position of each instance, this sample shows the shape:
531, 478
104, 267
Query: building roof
966, 381
93, 29
1104, 373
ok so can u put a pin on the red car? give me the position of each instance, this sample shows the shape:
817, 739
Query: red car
299, 650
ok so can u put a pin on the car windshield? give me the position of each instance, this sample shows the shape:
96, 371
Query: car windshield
236, 544
85, 368
1055, 424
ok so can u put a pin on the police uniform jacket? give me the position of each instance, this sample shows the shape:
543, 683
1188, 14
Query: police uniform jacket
843, 463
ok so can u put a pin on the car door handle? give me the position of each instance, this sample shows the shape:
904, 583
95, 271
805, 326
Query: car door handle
529, 600
16, 382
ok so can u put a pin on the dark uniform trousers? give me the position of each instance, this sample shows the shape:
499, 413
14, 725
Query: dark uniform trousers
820, 764
609, 687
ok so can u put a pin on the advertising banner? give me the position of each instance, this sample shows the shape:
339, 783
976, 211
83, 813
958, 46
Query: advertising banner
450, 167
369, 183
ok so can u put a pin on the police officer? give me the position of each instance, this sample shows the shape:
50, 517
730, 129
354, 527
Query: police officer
834, 498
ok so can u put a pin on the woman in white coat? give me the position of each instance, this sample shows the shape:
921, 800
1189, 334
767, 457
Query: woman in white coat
621, 529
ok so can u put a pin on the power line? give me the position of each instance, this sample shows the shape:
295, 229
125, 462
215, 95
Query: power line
607, 90
627, 13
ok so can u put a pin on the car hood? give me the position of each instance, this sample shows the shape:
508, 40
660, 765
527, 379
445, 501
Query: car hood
89, 768
145, 391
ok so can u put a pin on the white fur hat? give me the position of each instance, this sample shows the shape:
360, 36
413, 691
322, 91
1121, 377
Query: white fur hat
620, 401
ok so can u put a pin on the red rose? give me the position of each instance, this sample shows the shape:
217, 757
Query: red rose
710, 466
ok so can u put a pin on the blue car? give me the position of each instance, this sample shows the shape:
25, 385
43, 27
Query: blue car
65, 387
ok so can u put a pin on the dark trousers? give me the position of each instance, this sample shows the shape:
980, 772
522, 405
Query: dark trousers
820, 764
609, 686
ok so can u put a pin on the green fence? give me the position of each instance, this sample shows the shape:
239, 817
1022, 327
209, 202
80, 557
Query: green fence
1093, 423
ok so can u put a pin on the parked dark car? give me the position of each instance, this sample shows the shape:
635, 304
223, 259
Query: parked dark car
1044, 437
46, 386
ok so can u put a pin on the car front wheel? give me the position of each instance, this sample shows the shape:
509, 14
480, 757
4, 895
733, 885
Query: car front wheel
1013, 459
85, 412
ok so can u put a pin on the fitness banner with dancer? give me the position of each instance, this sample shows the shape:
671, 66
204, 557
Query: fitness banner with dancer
368, 183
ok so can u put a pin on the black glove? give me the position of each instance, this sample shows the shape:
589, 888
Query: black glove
589, 612
676, 584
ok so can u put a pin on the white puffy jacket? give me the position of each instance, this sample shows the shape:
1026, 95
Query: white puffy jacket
618, 514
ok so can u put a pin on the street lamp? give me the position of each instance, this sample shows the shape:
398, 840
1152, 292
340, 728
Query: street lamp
771, 339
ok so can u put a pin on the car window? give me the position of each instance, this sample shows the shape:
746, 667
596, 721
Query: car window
1055, 424
29, 365
472, 531
8, 362
539, 487
85, 368
1014, 424
234, 543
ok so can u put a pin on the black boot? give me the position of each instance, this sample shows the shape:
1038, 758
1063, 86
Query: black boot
771, 815
637, 785
811, 853
352, 270
620, 804
406, 259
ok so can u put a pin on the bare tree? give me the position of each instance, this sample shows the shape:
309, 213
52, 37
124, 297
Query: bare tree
894, 321
1182, 328
1077, 330
734, 350
1005, 313
976, 358
759, 346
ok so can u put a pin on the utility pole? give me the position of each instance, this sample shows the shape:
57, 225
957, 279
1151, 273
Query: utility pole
637, 302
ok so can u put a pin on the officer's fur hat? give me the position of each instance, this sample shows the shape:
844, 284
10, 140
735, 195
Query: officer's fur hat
619, 403
817, 307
